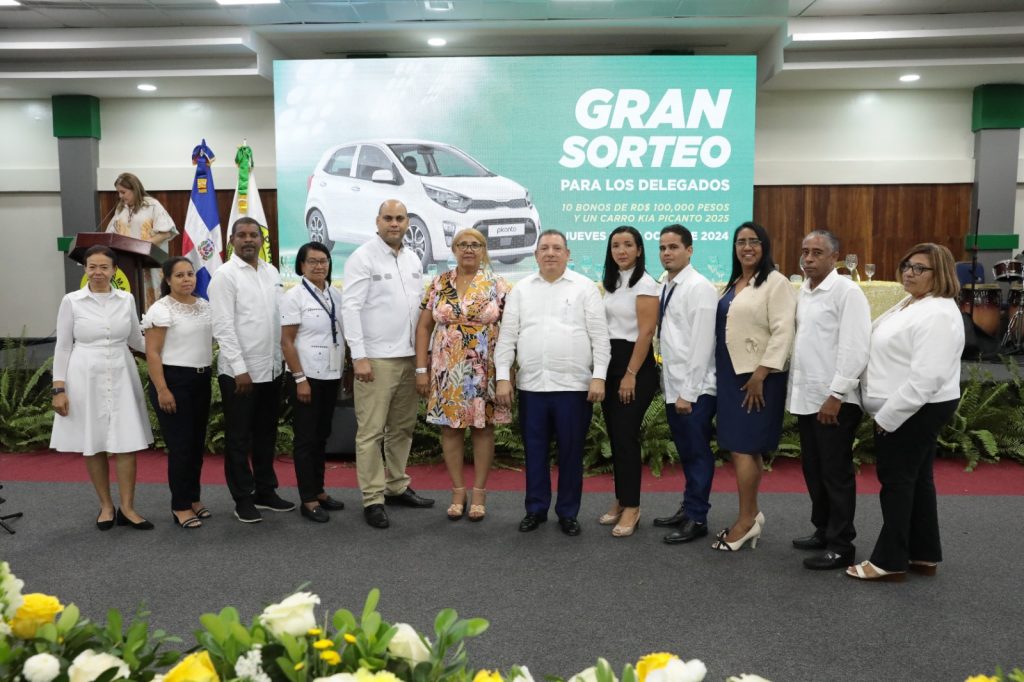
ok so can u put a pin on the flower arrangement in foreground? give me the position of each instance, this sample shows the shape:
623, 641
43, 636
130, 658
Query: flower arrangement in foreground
42, 640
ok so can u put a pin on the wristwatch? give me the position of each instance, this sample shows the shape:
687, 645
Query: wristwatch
421, 370
57, 391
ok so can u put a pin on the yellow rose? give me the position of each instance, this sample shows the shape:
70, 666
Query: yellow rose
36, 610
981, 678
651, 662
193, 668
487, 676
330, 657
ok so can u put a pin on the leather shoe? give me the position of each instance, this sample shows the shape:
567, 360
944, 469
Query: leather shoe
408, 498
376, 516
531, 522
569, 525
676, 519
810, 542
829, 561
317, 513
330, 504
690, 530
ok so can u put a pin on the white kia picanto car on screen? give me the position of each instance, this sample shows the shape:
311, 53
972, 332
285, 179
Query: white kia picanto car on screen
444, 189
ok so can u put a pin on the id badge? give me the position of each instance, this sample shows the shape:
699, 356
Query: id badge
334, 362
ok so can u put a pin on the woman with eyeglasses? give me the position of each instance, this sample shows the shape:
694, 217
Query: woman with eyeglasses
455, 339
912, 387
314, 349
631, 308
754, 332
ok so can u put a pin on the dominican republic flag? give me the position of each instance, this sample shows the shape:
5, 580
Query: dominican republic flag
201, 242
247, 198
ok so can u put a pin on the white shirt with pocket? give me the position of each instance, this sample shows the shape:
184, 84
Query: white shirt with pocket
314, 341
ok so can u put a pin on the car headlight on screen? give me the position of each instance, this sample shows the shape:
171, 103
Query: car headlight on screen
448, 199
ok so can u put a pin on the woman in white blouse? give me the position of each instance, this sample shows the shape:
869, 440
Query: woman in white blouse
141, 216
912, 388
97, 394
314, 348
631, 308
179, 351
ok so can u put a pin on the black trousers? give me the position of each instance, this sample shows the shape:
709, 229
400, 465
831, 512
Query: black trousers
184, 431
311, 423
623, 421
910, 516
826, 453
250, 425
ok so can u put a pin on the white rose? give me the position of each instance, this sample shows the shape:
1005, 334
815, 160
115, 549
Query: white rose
41, 668
338, 677
5, 629
679, 671
588, 675
407, 644
746, 677
294, 616
89, 665
522, 675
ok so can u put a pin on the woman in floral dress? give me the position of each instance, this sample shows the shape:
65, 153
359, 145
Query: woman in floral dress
455, 339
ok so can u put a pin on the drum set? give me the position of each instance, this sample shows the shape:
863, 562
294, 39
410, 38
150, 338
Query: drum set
984, 303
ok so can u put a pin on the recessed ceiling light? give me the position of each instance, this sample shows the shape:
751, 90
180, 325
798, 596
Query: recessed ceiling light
249, 2
9, 3
909, 77
146, 87
437, 42
438, 5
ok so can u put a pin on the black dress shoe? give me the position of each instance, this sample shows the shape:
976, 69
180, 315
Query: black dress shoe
690, 530
123, 520
330, 504
829, 561
569, 525
676, 519
810, 542
376, 516
317, 513
531, 522
409, 498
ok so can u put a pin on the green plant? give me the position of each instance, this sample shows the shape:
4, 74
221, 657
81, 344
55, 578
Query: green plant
656, 445
988, 422
26, 413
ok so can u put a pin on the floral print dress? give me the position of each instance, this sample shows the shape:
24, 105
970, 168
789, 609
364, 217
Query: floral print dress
462, 359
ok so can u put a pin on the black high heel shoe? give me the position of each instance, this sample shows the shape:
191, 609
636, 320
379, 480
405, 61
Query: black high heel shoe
123, 520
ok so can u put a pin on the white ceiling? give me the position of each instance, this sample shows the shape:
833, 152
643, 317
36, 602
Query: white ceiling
199, 48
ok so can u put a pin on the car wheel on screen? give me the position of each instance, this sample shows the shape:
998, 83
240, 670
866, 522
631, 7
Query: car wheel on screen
418, 239
511, 261
317, 227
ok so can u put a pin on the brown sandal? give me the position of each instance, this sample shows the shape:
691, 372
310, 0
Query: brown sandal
456, 510
477, 512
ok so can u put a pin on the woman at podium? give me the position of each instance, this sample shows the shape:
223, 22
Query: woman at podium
141, 216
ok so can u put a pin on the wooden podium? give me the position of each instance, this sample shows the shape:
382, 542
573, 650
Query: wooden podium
135, 257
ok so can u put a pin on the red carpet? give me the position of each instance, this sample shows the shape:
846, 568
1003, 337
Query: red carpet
1004, 478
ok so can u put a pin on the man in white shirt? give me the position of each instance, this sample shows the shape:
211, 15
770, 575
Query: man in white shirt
554, 328
244, 296
379, 309
686, 337
833, 335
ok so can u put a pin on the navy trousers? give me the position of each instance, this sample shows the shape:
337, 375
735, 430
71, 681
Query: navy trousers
692, 436
566, 415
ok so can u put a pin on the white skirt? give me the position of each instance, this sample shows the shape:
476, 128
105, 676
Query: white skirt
106, 405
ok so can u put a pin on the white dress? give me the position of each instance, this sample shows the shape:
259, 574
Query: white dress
106, 407
150, 220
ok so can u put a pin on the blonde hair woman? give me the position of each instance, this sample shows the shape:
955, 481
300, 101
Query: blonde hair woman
461, 312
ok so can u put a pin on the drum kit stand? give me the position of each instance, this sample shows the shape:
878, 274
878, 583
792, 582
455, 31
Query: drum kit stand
983, 309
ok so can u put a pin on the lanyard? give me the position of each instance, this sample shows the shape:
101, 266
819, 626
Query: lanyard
666, 296
329, 311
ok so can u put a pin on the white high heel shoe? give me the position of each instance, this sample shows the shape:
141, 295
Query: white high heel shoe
760, 519
752, 536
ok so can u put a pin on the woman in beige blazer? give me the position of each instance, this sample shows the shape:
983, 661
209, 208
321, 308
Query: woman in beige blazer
755, 327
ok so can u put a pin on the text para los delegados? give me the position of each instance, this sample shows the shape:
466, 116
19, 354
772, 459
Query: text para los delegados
601, 109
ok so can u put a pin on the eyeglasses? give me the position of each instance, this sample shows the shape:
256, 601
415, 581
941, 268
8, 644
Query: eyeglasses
916, 267
753, 241
313, 262
469, 246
